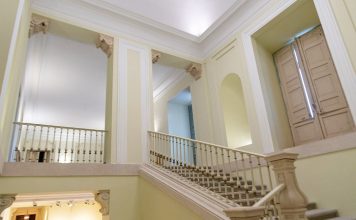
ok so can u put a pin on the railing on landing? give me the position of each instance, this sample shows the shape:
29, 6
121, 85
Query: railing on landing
239, 176
57, 144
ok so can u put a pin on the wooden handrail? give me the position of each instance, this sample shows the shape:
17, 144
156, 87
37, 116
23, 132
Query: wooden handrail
214, 145
56, 126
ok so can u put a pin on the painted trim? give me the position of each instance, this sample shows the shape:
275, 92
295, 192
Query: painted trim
339, 53
60, 169
329, 145
146, 92
161, 90
122, 104
9, 63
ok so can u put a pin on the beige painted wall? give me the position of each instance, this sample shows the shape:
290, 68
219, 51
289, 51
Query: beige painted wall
344, 11
200, 106
276, 111
330, 180
79, 211
234, 109
11, 93
157, 205
124, 197
134, 148
226, 61
8, 9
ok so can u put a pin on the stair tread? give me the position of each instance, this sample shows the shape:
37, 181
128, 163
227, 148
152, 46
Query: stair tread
343, 218
316, 213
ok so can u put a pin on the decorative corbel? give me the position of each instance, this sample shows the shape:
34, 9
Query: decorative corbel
6, 201
155, 57
106, 43
38, 24
194, 70
103, 198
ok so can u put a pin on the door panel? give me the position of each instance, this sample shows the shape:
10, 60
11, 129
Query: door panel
326, 87
337, 122
307, 131
291, 85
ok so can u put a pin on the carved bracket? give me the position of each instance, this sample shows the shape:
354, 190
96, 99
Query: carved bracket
38, 24
106, 43
6, 201
194, 70
155, 57
103, 198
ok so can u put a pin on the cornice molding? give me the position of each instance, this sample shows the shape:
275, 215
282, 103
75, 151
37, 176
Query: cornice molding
104, 19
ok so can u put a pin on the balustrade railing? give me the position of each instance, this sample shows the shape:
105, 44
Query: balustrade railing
57, 144
244, 178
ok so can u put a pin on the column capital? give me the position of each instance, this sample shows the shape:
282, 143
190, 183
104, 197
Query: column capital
103, 198
6, 201
105, 43
38, 24
194, 69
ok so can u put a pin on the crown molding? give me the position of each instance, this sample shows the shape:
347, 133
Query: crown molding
104, 18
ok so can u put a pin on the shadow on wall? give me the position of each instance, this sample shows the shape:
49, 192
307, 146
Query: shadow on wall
237, 128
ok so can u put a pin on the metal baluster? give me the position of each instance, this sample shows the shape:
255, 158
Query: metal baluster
223, 168
40, 139
46, 145
238, 183
261, 176
206, 170
102, 145
252, 173
90, 145
269, 176
72, 150
218, 176
18, 142
79, 143
54, 150
66, 146
212, 170
96, 146
84, 147
32, 141
60, 144
24, 145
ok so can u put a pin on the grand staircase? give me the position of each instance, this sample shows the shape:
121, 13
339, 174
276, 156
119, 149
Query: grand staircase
245, 182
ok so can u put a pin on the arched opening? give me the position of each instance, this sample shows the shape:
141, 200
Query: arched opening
234, 109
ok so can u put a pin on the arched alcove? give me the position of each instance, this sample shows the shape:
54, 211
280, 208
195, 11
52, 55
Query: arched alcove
234, 110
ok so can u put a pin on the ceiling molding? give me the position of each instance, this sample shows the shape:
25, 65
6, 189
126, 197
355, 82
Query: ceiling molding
54, 196
104, 19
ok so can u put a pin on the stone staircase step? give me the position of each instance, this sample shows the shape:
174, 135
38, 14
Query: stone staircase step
343, 218
321, 214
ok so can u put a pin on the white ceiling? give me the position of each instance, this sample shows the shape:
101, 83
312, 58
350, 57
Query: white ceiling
190, 16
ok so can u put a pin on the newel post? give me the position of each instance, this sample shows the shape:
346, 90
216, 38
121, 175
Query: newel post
292, 200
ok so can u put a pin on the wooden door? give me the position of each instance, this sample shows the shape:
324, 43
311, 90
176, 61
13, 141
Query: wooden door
304, 127
330, 102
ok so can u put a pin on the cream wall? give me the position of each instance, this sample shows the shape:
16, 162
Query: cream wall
157, 205
8, 9
235, 116
276, 111
330, 180
345, 15
226, 61
200, 106
9, 95
124, 197
79, 211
